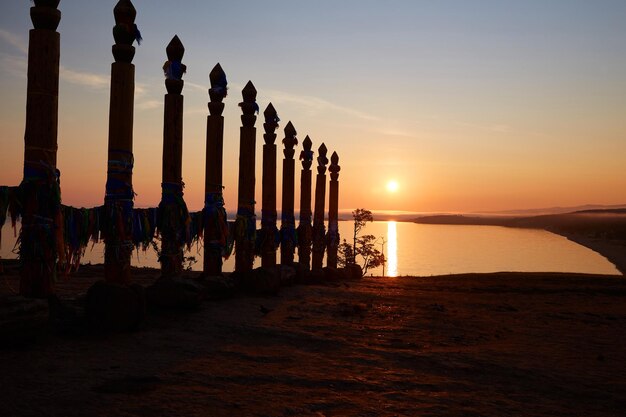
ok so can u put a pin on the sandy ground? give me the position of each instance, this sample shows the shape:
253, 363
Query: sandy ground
509, 344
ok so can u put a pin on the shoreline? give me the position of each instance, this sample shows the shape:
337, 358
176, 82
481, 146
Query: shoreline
613, 250
576, 227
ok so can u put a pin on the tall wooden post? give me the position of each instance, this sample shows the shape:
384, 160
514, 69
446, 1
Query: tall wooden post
245, 225
118, 201
215, 222
173, 216
41, 232
269, 232
287, 220
305, 229
319, 232
333, 212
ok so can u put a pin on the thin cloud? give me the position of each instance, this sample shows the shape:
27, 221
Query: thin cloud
149, 105
197, 86
315, 103
396, 133
14, 65
17, 65
16, 41
140, 90
87, 79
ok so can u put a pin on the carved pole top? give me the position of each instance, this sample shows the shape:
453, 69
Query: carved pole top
175, 49
218, 90
306, 155
124, 12
45, 14
307, 144
249, 106
334, 166
290, 130
322, 161
271, 116
219, 85
290, 140
249, 92
125, 31
271, 124
173, 69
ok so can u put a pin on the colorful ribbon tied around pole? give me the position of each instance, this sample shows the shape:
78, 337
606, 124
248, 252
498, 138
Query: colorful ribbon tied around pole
174, 221
40, 197
219, 87
319, 238
245, 224
215, 219
332, 237
174, 70
272, 120
306, 155
118, 203
288, 236
127, 33
268, 236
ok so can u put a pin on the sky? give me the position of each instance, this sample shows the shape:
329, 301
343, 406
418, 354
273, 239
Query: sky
480, 105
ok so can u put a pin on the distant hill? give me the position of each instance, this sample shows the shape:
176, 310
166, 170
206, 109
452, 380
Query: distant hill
458, 219
606, 223
553, 210
603, 211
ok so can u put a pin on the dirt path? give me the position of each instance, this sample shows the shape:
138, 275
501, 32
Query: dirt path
472, 345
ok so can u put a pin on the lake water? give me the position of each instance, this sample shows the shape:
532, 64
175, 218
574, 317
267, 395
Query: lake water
418, 249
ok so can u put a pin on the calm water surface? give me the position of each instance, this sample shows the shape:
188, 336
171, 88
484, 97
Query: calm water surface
417, 249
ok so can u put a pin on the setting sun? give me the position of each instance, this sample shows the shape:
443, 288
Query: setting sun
392, 186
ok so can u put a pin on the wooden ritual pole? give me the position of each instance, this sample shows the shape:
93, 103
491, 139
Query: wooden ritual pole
245, 224
215, 223
305, 229
319, 232
269, 240
333, 212
287, 220
41, 234
173, 216
118, 201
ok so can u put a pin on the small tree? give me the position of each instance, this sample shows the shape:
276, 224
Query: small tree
363, 246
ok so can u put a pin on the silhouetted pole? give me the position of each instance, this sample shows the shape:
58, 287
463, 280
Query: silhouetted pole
118, 201
333, 212
215, 222
305, 229
173, 214
319, 232
268, 209
41, 195
382, 250
287, 219
245, 225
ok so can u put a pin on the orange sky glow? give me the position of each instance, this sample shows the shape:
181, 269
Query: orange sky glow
514, 108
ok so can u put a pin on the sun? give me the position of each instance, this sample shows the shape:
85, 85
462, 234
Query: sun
392, 186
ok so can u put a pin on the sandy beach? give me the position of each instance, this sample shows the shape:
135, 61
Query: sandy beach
512, 344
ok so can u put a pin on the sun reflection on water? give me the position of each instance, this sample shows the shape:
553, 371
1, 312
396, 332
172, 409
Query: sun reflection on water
392, 250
